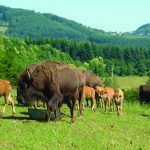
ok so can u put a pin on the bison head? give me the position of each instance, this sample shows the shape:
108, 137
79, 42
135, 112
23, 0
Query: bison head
22, 87
117, 98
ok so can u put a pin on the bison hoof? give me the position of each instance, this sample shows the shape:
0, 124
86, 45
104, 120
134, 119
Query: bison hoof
47, 118
72, 120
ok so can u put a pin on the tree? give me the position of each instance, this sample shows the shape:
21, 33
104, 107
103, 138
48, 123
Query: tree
97, 66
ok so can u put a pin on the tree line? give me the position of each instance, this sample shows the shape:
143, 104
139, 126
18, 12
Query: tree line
123, 60
103, 60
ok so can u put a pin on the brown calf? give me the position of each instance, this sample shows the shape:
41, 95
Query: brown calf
99, 99
107, 95
89, 93
5, 89
118, 99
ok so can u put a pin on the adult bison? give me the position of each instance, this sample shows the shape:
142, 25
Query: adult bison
92, 80
144, 93
53, 82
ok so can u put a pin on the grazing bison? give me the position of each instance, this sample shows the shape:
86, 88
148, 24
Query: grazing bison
144, 93
91, 79
55, 83
118, 100
89, 93
5, 89
107, 95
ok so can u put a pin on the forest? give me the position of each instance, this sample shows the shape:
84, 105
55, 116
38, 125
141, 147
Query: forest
101, 59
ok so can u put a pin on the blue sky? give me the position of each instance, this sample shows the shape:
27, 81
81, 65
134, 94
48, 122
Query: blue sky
108, 15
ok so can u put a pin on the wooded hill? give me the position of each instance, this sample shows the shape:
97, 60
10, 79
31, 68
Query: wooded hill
20, 23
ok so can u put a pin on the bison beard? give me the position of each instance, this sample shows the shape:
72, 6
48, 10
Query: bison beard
56, 84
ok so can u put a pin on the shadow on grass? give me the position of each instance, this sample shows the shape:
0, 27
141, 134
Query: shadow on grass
28, 119
145, 115
24, 113
15, 117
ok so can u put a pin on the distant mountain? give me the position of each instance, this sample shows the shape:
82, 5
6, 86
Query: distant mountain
21, 23
27, 23
143, 30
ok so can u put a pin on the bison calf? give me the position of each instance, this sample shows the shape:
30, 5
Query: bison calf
118, 99
99, 99
89, 93
5, 89
107, 95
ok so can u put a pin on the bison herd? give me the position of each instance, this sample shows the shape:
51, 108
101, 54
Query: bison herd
56, 83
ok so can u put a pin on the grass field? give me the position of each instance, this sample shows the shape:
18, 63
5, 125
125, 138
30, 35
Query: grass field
130, 81
96, 130
3, 29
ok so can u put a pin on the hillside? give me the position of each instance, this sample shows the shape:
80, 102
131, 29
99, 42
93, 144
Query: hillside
20, 23
27, 23
143, 30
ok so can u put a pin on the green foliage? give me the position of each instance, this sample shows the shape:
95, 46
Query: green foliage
148, 81
97, 65
132, 95
111, 82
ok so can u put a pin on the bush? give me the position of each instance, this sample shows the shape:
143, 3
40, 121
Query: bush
131, 95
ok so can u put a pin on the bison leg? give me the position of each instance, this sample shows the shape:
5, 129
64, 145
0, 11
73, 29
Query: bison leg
109, 105
105, 104
102, 103
118, 110
92, 104
71, 105
81, 98
56, 115
6, 103
97, 102
47, 114
12, 104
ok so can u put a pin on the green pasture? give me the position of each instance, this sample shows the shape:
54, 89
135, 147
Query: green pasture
96, 130
3, 29
130, 82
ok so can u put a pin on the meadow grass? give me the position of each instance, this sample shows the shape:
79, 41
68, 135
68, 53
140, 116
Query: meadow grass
130, 82
96, 130
3, 29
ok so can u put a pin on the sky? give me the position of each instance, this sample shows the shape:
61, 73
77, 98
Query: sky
107, 15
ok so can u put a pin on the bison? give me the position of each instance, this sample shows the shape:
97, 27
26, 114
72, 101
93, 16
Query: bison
99, 91
107, 95
5, 89
118, 100
92, 80
144, 93
89, 93
53, 82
